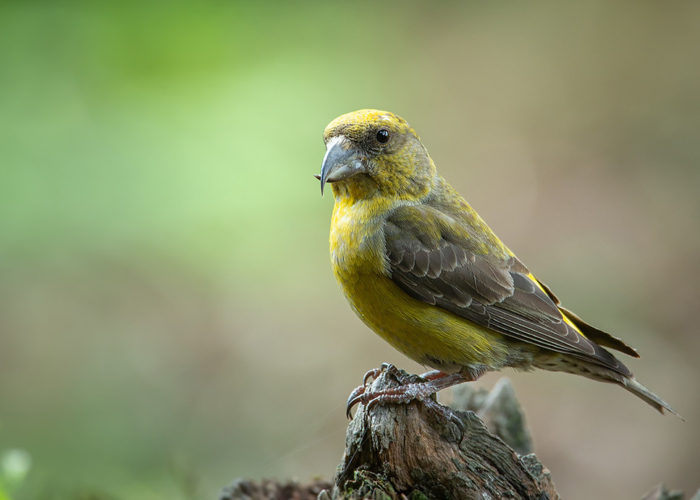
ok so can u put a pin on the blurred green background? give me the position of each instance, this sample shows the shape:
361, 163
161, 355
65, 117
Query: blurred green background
168, 317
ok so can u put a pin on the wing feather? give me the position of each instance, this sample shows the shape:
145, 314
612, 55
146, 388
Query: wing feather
434, 258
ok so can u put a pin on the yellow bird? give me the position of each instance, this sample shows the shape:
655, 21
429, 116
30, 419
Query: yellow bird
424, 271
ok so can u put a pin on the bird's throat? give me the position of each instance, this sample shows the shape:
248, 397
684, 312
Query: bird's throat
356, 188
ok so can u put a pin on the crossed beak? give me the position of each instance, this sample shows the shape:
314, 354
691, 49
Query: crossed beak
342, 160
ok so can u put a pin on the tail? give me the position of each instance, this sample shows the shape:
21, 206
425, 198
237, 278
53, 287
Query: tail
642, 392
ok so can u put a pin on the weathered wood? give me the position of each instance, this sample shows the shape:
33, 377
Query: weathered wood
414, 451
270, 489
663, 493
500, 410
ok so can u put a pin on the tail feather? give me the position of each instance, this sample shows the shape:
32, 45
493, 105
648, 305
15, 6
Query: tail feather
642, 392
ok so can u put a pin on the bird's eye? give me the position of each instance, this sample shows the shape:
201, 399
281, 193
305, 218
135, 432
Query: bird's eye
383, 136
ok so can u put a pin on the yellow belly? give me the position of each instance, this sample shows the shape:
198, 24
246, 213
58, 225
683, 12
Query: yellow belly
427, 334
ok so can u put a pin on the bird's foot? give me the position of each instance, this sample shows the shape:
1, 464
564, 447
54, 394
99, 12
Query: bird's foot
357, 393
421, 391
408, 390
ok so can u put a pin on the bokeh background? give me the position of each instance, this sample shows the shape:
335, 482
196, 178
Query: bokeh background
168, 316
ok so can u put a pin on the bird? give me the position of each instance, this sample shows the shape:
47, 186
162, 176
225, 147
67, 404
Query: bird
423, 270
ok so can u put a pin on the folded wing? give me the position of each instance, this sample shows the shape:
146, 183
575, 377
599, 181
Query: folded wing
440, 260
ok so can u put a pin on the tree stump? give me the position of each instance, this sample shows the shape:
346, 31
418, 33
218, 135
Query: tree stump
414, 451
482, 450
397, 451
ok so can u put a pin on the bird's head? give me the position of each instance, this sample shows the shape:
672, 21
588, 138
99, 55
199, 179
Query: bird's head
375, 153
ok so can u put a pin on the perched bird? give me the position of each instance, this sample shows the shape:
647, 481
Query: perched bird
424, 271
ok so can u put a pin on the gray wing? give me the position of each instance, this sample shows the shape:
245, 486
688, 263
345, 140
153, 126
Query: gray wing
432, 257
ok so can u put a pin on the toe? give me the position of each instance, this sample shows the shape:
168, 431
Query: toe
354, 398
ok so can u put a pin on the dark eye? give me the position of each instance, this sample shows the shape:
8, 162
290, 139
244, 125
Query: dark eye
383, 136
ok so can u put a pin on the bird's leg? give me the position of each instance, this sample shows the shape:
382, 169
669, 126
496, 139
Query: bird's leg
408, 392
436, 381
375, 372
433, 374
420, 391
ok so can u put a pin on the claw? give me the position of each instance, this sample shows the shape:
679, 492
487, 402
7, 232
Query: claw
375, 372
371, 374
354, 398
358, 394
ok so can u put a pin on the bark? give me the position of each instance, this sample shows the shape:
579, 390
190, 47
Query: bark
416, 451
